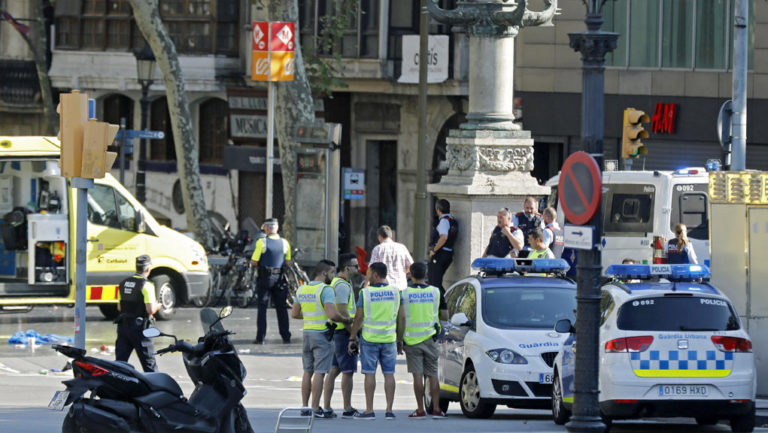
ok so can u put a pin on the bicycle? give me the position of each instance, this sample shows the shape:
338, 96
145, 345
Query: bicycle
293, 277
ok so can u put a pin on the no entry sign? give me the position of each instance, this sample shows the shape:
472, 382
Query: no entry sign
580, 188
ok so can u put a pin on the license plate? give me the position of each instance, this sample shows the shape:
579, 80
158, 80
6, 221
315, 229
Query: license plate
58, 400
683, 390
545, 378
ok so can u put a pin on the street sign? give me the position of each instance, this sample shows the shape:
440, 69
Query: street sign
580, 188
132, 133
319, 133
579, 237
354, 183
272, 51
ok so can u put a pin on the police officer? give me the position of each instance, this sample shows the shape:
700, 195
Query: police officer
539, 249
136, 297
269, 256
417, 323
506, 240
441, 245
679, 249
553, 233
343, 362
376, 314
529, 219
315, 305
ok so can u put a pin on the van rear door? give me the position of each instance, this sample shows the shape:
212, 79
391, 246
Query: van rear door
628, 222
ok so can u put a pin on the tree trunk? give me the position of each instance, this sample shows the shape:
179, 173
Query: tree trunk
293, 106
37, 41
147, 18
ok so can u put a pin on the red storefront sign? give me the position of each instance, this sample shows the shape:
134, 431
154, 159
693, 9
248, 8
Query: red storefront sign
664, 118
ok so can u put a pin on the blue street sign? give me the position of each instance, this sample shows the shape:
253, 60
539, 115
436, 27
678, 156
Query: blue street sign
128, 148
91, 108
132, 133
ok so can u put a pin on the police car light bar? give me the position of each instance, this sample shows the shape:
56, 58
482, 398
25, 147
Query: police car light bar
498, 265
670, 272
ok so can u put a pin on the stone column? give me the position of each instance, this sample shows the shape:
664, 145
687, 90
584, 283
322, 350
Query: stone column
489, 157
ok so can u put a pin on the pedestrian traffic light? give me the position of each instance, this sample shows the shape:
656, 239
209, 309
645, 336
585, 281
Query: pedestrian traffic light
633, 131
83, 142
73, 115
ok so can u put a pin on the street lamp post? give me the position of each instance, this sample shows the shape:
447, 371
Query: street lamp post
145, 72
593, 45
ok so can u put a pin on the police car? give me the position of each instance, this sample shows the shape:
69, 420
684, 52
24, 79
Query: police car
671, 345
499, 345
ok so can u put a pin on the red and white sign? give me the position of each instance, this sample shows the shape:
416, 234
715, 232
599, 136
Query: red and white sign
282, 36
273, 51
260, 36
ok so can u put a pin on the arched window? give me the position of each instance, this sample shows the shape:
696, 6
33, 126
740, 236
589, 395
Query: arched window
162, 150
214, 132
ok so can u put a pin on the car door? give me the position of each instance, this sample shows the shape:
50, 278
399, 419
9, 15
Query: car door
467, 304
449, 366
113, 237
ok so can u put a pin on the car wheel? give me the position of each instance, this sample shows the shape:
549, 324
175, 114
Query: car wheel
706, 420
560, 414
469, 396
442, 404
743, 423
166, 296
109, 311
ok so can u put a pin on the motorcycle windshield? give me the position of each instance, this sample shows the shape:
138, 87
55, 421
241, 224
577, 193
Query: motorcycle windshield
207, 317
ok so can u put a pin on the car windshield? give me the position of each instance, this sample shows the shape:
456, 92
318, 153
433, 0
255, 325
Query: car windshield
668, 313
528, 307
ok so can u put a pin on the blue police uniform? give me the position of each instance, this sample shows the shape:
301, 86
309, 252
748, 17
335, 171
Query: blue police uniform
271, 252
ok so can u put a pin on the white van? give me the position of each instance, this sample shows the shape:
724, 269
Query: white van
37, 223
640, 205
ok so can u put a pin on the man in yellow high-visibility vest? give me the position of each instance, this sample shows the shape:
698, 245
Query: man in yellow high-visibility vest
315, 304
343, 362
376, 314
417, 324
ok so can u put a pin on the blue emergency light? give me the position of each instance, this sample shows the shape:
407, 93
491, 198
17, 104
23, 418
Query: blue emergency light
494, 265
687, 171
671, 272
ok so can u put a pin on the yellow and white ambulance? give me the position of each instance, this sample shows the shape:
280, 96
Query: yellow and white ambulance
37, 246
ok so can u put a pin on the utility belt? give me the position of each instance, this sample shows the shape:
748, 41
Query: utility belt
330, 328
269, 270
126, 319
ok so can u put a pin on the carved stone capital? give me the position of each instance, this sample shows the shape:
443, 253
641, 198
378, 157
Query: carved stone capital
467, 158
593, 46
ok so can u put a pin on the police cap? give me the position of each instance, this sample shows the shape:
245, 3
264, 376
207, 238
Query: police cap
143, 261
270, 221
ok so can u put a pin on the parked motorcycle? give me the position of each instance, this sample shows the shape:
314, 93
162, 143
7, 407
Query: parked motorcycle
124, 400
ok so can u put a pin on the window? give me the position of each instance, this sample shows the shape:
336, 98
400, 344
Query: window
628, 208
213, 130
677, 313
360, 39
106, 207
675, 34
467, 304
196, 26
689, 206
528, 307
606, 306
451, 298
160, 120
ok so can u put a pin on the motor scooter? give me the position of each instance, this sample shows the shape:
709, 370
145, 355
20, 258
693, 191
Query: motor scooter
123, 400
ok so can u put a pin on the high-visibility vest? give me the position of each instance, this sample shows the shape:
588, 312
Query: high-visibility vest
380, 305
351, 307
538, 254
312, 306
421, 307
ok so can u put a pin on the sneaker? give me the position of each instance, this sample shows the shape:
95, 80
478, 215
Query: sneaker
417, 414
320, 413
389, 416
367, 416
437, 415
349, 413
306, 412
329, 413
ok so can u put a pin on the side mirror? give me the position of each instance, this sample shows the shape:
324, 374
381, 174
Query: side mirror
225, 312
141, 224
151, 332
460, 319
564, 326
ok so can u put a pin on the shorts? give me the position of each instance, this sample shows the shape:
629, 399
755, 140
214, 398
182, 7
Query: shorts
422, 357
342, 360
317, 353
372, 354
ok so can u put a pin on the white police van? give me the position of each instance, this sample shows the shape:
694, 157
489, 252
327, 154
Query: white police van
670, 346
499, 345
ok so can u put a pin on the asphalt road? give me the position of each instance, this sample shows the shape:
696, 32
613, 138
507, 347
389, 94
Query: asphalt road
28, 380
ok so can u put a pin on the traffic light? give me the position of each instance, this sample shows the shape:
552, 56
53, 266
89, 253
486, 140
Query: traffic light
633, 131
83, 142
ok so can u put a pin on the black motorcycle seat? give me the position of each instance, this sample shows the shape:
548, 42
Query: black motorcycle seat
161, 382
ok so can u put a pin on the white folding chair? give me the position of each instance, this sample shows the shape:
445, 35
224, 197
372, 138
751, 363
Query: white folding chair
294, 419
